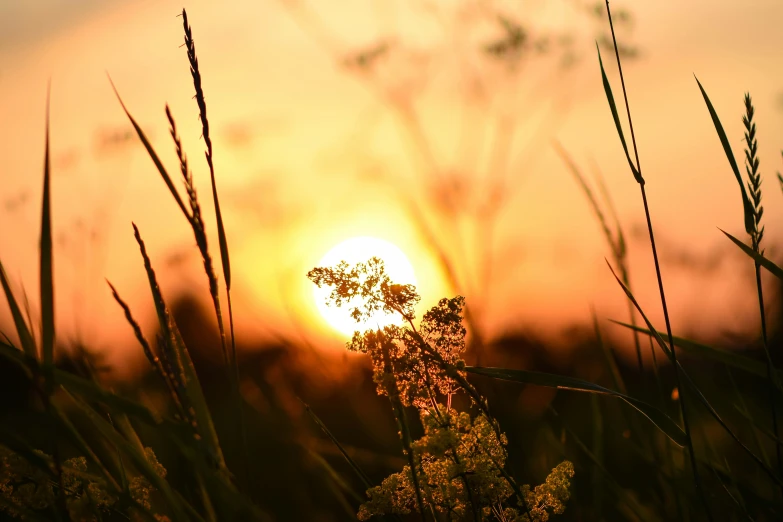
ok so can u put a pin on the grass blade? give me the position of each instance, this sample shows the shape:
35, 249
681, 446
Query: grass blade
354, 466
196, 398
704, 351
759, 258
47, 283
191, 392
615, 116
155, 362
341, 486
697, 392
234, 377
153, 155
746, 205
22, 328
656, 416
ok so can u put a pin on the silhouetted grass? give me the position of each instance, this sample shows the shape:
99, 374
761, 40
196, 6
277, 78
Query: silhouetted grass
98, 461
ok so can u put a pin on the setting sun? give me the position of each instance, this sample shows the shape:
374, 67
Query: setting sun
360, 250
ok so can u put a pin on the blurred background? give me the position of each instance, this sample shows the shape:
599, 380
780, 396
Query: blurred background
430, 124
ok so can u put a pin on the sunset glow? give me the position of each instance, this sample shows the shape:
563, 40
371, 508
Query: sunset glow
360, 250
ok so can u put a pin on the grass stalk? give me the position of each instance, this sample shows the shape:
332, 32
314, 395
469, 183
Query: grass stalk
636, 170
47, 311
756, 235
234, 375
696, 392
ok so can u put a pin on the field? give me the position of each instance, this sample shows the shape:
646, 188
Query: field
427, 418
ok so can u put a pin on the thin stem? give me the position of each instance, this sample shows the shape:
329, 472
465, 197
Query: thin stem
686, 424
236, 385
770, 370
756, 235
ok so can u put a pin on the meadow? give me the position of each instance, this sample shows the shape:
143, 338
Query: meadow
430, 427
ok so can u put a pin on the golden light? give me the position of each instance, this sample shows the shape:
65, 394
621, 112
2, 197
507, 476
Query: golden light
360, 250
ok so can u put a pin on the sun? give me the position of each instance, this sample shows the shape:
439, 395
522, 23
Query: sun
360, 250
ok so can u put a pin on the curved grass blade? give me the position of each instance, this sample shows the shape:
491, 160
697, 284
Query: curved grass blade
153, 155
47, 283
704, 351
656, 416
613, 107
760, 259
697, 392
22, 328
355, 467
746, 205
337, 484
334, 476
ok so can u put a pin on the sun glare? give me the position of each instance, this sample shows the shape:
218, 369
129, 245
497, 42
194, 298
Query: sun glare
360, 250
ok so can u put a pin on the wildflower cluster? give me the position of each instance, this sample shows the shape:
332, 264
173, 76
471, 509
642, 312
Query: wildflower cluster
552, 495
140, 488
461, 458
28, 487
369, 282
416, 360
456, 470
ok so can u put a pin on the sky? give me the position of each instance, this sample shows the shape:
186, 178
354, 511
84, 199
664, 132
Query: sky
311, 150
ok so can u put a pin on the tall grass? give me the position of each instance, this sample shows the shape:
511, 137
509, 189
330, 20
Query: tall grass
461, 443
636, 170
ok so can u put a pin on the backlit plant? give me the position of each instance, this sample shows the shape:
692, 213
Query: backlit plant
456, 471
97, 462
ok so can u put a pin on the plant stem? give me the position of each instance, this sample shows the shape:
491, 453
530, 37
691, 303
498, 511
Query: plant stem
686, 424
770, 370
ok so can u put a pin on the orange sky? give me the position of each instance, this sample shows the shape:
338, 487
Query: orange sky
308, 154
